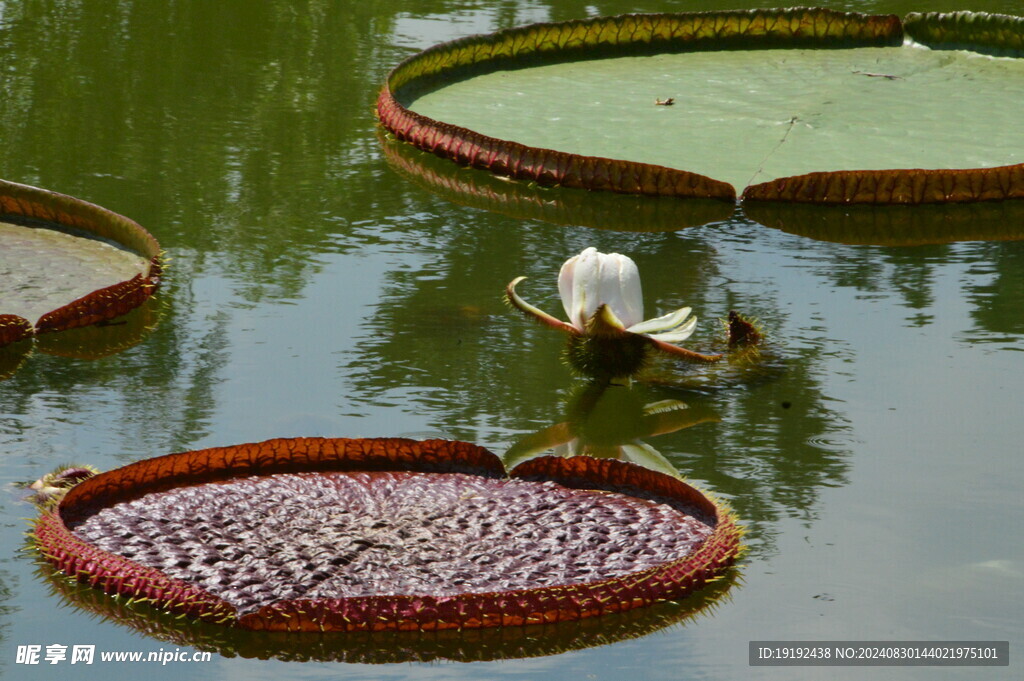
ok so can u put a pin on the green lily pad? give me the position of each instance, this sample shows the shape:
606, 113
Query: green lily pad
66, 263
42, 269
751, 116
802, 105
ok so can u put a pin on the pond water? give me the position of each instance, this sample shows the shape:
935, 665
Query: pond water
874, 458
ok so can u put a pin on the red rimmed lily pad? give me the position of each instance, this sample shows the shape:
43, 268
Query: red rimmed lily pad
386, 534
675, 91
66, 263
389, 647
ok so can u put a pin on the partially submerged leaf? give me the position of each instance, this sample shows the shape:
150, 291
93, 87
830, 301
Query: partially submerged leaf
67, 263
997, 34
42, 269
14, 328
104, 338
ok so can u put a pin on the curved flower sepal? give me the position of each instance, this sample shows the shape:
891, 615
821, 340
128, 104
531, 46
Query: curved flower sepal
605, 323
673, 327
513, 299
683, 353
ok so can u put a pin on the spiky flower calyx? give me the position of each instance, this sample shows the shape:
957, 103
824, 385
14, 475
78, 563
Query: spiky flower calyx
52, 487
606, 357
743, 331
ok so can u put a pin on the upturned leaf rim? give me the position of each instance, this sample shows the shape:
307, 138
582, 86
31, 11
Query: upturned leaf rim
115, 574
21, 203
628, 34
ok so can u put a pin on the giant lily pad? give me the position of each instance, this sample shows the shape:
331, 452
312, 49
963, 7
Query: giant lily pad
369, 535
65, 263
388, 647
748, 99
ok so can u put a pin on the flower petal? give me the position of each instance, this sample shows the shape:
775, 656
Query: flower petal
620, 287
543, 317
586, 280
591, 279
678, 334
571, 448
566, 277
668, 416
662, 324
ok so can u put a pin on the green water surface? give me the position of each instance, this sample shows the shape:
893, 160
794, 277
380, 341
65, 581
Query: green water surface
875, 460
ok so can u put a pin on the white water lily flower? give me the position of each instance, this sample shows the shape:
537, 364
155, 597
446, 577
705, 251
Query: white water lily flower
602, 298
592, 279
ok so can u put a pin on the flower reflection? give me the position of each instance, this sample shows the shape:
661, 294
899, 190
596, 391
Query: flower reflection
608, 337
609, 421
